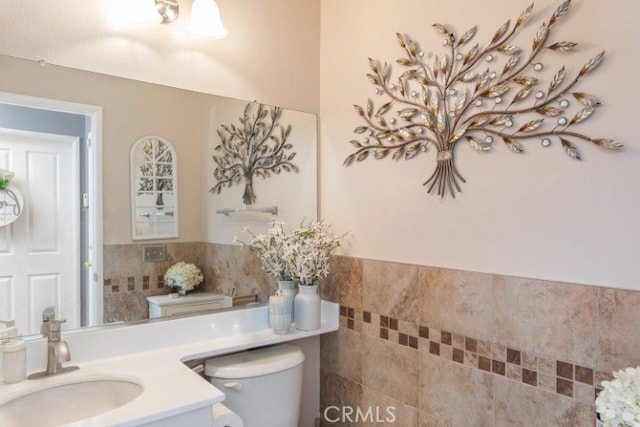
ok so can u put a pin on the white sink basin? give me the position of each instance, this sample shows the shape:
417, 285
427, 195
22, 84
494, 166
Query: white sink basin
65, 402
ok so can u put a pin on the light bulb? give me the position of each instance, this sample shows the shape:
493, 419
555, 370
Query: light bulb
205, 20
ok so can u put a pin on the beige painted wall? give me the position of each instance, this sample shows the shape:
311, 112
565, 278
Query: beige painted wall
253, 62
539, 214
294, 194
271, 53
189, 121
130, 110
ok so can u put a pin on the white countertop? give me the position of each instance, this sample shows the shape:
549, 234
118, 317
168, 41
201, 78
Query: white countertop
154, 353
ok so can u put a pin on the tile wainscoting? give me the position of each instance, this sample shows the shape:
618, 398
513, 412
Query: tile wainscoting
453, 348
128, 280
439, 347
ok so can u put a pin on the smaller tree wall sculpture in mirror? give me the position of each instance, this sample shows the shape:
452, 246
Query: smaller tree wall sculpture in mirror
478, 95
256, 148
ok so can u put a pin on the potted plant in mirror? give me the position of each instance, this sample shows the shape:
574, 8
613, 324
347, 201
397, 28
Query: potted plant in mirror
309, 250
618, 404
185, 277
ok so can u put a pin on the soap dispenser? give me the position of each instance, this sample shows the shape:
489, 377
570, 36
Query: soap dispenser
14, 356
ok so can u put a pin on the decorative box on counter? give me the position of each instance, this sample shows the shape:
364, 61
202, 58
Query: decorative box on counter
172, 304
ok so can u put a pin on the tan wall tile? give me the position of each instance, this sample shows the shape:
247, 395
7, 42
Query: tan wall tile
125, 306
531, 315
546, 318
456, 300
385, 410
391, 289
454, 393
619, 343
237, 267
344, 283
391, 369
518, 404
337, 392
125, 270
428, 420
514, 372
341, 353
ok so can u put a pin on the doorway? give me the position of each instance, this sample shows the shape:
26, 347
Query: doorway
52, 255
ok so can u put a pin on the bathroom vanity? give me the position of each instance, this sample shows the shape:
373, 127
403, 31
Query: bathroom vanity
152, 361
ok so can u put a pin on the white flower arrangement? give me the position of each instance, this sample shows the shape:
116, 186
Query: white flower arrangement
183, 276
270, 249
309, 250
302, 255
618, 404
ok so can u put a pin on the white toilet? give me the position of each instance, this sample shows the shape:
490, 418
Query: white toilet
263, 386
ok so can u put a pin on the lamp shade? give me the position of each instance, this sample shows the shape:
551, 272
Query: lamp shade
205, 20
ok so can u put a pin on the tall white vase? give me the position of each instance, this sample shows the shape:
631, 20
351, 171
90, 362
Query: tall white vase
307, 308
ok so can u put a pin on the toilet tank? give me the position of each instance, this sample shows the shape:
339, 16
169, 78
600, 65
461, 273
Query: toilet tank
263, 386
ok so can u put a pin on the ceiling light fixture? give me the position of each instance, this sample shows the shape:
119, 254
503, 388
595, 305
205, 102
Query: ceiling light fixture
168, 10
206, 21
205, 17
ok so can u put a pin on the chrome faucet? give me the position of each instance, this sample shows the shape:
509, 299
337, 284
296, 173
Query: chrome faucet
57, 349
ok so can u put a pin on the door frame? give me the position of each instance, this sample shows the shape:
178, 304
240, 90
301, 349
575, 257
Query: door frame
95, 266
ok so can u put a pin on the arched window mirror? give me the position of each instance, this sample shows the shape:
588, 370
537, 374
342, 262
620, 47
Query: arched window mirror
154, 189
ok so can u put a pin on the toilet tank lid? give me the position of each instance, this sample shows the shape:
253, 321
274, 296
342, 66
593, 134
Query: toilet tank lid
254, 363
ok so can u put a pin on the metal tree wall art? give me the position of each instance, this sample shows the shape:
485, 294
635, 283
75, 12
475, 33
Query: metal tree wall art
478, 95
255, 148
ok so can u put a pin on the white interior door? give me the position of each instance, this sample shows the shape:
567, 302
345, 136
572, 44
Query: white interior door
40, 251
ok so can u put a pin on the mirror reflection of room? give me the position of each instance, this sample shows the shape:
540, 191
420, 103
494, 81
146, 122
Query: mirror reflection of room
135, 209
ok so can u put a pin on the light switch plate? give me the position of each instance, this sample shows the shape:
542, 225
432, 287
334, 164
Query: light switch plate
154, 253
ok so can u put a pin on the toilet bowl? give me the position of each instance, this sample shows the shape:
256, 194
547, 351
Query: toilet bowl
263, 386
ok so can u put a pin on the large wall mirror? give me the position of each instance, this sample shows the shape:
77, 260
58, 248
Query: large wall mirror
109, 273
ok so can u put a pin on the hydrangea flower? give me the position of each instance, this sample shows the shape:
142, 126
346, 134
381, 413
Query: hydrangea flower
618, 404
184, 276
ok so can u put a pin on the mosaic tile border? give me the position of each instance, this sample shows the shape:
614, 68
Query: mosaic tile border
557, 376
133, 283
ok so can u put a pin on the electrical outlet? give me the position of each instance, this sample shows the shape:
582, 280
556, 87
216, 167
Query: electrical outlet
154, 253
